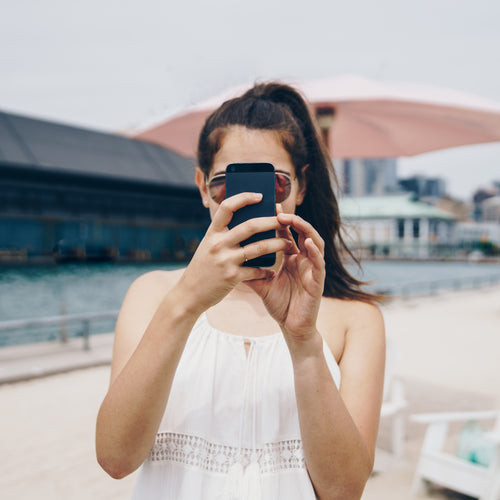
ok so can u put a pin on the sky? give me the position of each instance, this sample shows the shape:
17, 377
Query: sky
115, 65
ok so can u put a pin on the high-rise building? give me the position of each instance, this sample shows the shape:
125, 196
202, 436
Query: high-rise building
421, 186
368, 176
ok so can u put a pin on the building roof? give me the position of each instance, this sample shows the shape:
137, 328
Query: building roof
48, 146
389, 207
494, 201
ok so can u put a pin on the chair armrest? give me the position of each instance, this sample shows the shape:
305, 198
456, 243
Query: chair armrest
494, 437
391, 409
395, 401
429, 418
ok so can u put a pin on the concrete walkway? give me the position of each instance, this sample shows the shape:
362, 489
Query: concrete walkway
447, 349
24, 362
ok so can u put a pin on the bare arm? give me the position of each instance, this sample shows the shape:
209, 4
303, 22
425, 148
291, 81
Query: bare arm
339, 428
141, 376
152, 330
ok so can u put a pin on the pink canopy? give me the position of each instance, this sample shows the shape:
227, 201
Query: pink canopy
367, 119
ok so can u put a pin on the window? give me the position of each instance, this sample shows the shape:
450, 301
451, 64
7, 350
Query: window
416, 229
401, 228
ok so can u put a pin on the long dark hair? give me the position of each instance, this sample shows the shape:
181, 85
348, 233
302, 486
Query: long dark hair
279, 107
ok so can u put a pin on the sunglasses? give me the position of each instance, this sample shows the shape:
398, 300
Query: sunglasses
217, 187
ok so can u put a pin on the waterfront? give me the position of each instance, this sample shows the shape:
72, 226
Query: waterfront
40, 291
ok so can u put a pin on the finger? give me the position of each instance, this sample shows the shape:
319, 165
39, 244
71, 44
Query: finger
301, 226
256, 273
286, 234
263, 247
315, 256
230, 205
243, 231
284, 231
304, 230
259, 285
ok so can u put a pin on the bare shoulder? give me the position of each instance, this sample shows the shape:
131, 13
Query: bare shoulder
155, 282
346, 322
351, 314
143, 298
362, 315
138, 308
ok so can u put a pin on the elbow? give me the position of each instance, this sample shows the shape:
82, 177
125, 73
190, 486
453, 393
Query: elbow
355, 485
115, 468
117, 464
348, 490
112, 455
347, 486
354, 490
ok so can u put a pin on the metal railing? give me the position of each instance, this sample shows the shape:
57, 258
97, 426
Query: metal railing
61, 321
404, 290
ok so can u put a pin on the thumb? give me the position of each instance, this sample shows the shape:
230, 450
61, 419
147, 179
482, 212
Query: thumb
261, 286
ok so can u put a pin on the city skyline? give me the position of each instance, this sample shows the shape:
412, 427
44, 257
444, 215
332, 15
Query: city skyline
115, 65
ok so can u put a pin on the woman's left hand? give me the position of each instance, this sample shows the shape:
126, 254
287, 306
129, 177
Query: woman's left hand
293, 295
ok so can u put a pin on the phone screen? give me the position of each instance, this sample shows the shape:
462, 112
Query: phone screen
253, 178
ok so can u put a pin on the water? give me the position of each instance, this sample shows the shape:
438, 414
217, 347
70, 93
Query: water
32, 292
412, 278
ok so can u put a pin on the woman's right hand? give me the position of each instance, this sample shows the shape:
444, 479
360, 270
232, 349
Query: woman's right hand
216, 267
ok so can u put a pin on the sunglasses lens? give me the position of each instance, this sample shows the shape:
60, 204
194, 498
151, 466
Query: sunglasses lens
217, 188
283, 187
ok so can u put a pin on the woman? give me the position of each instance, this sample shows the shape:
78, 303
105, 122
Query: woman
235, 382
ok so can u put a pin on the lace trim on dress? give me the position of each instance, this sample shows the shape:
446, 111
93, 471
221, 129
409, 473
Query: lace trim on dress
197, 452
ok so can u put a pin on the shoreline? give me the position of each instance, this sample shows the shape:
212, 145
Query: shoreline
24, 261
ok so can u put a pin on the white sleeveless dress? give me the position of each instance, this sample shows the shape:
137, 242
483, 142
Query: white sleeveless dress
230, 428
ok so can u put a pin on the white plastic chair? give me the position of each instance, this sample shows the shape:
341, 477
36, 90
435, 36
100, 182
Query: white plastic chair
393, 410
450, 471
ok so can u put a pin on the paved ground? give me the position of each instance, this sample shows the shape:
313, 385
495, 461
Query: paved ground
26, 362
48, 437
447, 350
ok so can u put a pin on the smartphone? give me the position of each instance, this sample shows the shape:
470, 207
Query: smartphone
253, 178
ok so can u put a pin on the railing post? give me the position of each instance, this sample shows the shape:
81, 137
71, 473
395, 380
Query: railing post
63, 331
86, 334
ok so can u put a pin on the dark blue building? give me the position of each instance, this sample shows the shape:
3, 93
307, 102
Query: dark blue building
68, 193
421, 186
